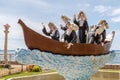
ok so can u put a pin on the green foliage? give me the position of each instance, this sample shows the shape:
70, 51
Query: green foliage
36, 68
1, 66
5, 66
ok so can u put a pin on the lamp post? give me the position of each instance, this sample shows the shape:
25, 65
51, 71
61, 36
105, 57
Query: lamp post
5, 42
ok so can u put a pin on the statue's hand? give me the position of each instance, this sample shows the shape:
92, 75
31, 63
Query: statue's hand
69, 45
42, 24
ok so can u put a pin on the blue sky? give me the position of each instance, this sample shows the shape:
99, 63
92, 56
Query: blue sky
33, 12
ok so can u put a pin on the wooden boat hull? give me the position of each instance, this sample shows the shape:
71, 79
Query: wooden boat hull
35, 40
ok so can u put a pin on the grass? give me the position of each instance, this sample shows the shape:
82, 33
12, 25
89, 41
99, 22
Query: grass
21, 74
1, 67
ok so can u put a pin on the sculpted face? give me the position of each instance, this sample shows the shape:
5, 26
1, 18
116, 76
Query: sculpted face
51, 26
81, 16
65, 19
104, 24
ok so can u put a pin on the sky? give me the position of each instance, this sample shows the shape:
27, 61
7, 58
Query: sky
34, 12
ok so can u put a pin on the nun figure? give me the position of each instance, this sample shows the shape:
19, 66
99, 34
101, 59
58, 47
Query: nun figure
66, 20
82, 23
53, 33
100, 33
69, 35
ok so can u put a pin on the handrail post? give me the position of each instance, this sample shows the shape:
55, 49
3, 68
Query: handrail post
10, 57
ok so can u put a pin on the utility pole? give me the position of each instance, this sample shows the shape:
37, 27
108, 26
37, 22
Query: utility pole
5, 42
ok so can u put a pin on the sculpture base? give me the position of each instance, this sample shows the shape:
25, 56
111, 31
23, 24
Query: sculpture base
71, 67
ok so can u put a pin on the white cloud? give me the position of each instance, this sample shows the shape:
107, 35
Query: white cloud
36, 3
15, 36
108, 11
12, 21
87, 5
20, 7
102, 8
115, 12
115, 15
116, 19
83, 5
14, 30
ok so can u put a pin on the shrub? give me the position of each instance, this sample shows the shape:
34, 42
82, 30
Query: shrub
7, 66
30, 67
36, 68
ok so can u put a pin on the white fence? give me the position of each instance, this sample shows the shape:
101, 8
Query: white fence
12, 70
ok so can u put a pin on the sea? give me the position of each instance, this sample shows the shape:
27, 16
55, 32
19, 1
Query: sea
116, 60
9, 51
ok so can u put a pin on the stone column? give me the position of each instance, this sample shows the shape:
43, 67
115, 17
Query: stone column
5, 42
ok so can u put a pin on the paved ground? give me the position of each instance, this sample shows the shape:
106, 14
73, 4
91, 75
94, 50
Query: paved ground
45, 76
106, 75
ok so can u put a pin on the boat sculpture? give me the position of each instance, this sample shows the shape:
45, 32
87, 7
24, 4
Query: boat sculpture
35, 40
79, 62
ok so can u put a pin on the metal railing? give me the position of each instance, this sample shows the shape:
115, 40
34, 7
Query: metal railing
10, 57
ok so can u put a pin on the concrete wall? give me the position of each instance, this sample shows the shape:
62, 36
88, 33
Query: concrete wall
46, 76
